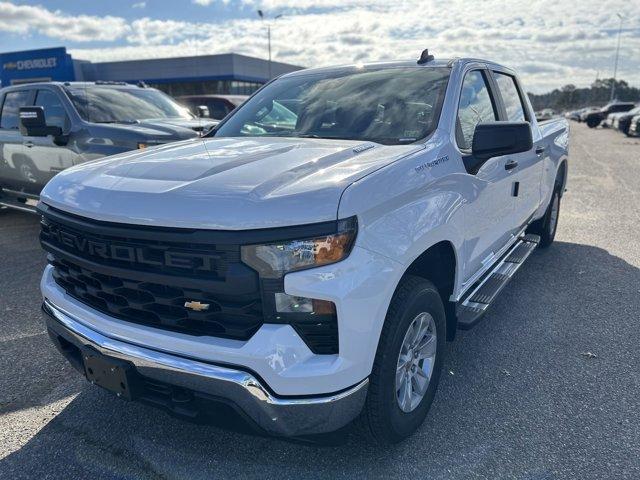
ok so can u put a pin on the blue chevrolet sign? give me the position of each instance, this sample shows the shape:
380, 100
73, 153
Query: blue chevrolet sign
36, 65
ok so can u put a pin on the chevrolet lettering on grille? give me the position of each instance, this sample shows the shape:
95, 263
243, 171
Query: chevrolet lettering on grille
133, 254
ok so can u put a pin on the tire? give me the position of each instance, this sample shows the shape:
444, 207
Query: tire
383, 418
593, 122
547, 226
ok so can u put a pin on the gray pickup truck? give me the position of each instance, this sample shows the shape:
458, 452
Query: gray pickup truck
80, 122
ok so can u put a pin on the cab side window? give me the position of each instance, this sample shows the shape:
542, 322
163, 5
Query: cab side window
510, 97
54, 112
475, 107
218, 109
12, 103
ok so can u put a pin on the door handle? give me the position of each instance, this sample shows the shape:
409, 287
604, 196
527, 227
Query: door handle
540, 150
27, 144
510, 165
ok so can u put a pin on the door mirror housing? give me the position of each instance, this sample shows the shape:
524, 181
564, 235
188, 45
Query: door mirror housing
33, 124
203, 111
501, 138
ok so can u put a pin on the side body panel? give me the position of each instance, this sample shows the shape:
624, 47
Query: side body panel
555, 137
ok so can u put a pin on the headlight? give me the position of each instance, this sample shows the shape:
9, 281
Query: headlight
314, 320
274, 260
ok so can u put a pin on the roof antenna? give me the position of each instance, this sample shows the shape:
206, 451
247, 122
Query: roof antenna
425, 57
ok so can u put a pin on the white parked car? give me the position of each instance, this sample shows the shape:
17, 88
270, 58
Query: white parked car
308, 266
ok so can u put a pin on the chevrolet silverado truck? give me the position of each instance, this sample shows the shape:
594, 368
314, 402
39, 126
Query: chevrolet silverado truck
68, 123
306, 272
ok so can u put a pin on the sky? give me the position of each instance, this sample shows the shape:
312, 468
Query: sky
549, 42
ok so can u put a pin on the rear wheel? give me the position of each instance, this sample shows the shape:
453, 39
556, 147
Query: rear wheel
408, 362
546, 226
593, 122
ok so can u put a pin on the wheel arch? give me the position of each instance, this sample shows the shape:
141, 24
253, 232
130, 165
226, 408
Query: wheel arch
561, 175
438, 264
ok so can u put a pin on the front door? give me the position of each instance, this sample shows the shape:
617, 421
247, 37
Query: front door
46, 157
488, 211
12, 157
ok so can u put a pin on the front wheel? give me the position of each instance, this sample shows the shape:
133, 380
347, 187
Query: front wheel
408, 362
593, 122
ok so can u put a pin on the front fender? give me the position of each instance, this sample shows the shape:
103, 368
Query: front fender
410, 205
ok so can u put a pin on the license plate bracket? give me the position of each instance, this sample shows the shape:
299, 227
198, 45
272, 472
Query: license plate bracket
109, 373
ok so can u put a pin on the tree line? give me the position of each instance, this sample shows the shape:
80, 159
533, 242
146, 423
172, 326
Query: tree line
570, 97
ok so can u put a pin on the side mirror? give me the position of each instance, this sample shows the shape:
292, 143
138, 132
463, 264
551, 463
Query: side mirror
203, 111
501, 138
33, 124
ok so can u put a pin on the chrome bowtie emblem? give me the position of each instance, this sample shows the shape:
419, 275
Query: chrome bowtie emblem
196, 306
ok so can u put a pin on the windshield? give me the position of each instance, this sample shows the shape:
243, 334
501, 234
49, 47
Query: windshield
124, 105
391, 106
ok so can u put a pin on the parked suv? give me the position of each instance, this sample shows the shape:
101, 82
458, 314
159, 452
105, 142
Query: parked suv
622, 121
307, 267
85, 121
594, 118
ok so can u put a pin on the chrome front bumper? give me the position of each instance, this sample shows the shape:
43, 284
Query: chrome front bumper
275, 415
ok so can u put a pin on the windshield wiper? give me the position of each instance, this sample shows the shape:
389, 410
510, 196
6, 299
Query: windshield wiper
326, 137
125, 122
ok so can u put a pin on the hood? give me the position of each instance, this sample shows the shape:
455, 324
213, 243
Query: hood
221, 183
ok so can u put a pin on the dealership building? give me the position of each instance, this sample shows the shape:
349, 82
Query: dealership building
227, 73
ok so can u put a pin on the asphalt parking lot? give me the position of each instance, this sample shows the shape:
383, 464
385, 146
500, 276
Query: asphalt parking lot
546, 387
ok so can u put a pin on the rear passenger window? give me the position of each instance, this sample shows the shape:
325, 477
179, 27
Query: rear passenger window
54, 112
12, 103
475, 107
510, 97
217, 109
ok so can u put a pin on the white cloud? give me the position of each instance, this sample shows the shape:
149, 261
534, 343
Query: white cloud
25, 19
550, 42
139, 5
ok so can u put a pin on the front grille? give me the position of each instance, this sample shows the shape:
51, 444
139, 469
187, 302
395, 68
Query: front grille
145, 275
146, 279
159, 305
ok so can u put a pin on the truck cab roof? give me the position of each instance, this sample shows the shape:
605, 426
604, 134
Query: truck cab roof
442, 63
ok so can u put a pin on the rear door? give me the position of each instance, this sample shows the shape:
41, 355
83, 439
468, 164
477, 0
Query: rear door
526, 176
489, 209
14, 167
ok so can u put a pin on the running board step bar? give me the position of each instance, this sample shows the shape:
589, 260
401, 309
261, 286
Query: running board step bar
18, 200
473, 306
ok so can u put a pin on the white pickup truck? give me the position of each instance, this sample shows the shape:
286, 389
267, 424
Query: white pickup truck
306, 262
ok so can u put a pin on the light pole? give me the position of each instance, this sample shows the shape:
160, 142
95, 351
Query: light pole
261, 15
615, 65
